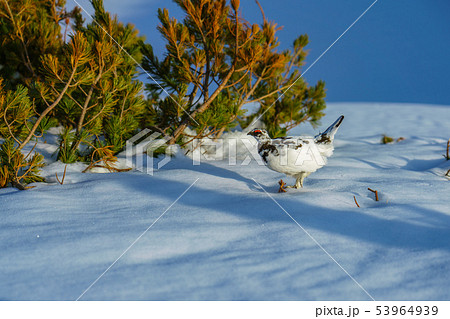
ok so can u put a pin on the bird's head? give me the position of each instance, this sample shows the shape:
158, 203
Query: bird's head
259, 134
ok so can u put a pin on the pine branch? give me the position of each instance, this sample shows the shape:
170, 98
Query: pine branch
26, 56
86, 103
270, 93
48, 109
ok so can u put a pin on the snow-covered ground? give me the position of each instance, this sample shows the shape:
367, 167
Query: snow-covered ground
227, 238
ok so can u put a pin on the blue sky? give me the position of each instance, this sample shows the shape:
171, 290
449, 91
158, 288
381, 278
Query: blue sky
399, 51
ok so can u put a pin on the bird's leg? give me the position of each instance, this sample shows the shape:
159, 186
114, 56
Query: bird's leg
296, 185
302, 178
299, 180
282, 186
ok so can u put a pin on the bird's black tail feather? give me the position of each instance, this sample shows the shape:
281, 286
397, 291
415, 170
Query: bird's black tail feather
328, 136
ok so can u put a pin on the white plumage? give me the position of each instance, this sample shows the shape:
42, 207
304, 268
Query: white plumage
296, 156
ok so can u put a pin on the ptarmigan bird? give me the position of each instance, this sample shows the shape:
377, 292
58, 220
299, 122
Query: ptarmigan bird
296, 156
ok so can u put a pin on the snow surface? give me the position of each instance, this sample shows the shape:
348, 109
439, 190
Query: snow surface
226, 239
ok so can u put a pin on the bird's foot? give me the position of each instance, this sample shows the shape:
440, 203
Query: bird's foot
282, 186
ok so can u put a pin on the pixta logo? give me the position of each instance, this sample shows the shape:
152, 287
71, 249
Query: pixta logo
141, 149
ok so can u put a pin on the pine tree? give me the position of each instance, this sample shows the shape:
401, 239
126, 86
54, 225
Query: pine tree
87, 83
216, 62
118, 83
103, 102
16, 168
28, 30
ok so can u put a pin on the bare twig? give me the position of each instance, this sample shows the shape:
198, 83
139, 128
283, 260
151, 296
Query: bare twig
447, 156
356, 201
30, 152
64, 176
448, 173
8, 125
282, 185
376, 193
108, 159
18, 185
157, 129
67, 20
262, 11
110, 168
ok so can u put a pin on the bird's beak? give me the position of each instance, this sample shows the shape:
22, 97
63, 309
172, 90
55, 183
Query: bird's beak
250, 133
